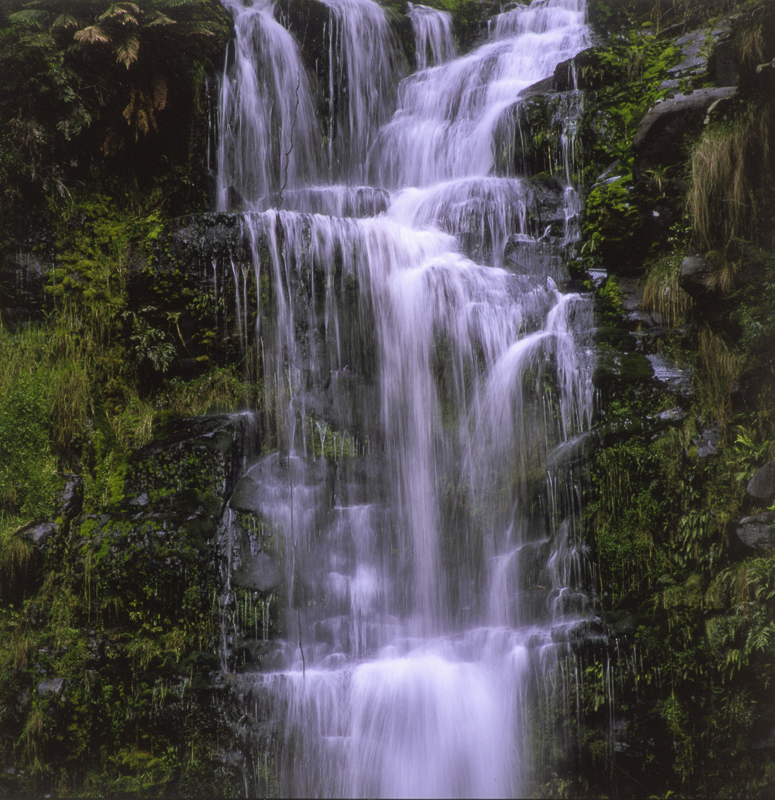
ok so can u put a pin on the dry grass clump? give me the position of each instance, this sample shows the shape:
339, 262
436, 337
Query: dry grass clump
728, 166
17, 563
662, 293
720, 369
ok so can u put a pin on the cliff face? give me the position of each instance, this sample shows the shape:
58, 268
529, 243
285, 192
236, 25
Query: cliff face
124, 324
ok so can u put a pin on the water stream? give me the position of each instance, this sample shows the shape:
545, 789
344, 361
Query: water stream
425, 377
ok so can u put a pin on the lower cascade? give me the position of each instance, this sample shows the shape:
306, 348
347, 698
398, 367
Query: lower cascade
404, 577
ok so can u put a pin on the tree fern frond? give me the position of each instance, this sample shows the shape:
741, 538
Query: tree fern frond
65, 21
126, 10
129, 111
94, 33
179, 3
159, 92
143, 122
160, 19
31, 18
127, 50
196, 29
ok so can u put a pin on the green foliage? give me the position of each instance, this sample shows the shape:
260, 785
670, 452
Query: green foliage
28, 467
609, 220
89, 80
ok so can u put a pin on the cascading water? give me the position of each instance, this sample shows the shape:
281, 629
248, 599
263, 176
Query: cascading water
434, 41
425, 394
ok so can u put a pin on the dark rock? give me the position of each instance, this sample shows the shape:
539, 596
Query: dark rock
662, 133
22, 279
70, 500
695, 275
625, 427
246, 496
623, 368
579, 72
722, 64
757, 533
540, 87
203, 454
762, 485
708, 442
572, 452
53, 686
39, 533
676, 379
261, 573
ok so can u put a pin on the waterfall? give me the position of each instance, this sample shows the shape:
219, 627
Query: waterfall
434, 41
424, 394
269, 131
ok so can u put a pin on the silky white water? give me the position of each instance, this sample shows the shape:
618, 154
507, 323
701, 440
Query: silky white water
422, 390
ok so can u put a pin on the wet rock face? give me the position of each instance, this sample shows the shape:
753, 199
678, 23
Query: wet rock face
662, 133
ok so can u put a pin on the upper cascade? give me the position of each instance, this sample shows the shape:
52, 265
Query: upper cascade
434, 42
269, 131
365, 64
446, 116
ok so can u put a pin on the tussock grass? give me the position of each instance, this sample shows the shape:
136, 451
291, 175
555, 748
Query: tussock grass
663, 295
220, 390
719, 370
17, 560
728, 167
34, 735
749, 43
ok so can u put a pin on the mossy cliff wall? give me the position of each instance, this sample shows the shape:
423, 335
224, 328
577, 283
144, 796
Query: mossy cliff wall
126, 347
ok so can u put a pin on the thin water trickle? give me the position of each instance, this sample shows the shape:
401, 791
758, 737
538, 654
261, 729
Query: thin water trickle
422, 387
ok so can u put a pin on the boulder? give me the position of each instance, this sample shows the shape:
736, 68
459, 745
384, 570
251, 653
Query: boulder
51, 687
39, 533
708, 442
677, 380
757, 533
663, 132
761, 487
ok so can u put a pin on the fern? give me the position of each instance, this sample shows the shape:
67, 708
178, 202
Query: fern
30, 18
92, 34
127, 50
